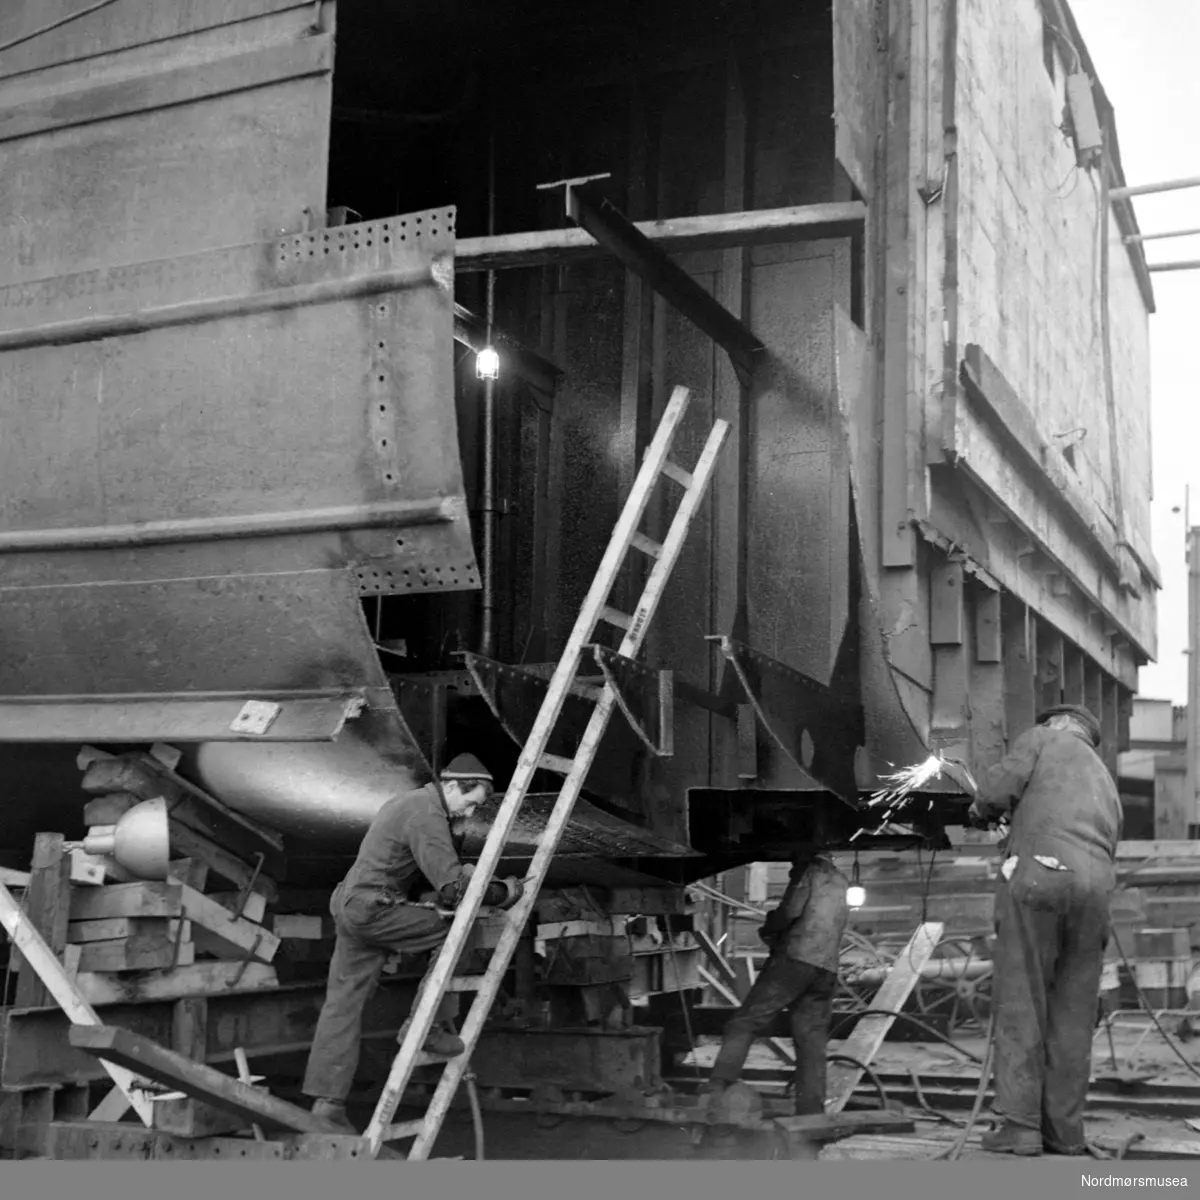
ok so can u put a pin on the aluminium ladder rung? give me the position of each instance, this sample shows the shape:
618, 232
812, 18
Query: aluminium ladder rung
673, 471
646, 545
556, 762
614, 616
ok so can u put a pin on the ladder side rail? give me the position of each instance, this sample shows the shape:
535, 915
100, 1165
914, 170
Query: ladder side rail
518, 916
528, 764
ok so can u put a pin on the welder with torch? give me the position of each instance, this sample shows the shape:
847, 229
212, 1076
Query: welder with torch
804, 935
409, 839
1052, 925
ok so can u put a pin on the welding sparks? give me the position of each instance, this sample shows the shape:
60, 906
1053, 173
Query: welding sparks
900, 786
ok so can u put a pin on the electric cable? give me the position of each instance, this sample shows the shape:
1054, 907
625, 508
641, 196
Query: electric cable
1146, 1005
924, 1104
919, 1024
476, 1114
877, 1083
952, 1152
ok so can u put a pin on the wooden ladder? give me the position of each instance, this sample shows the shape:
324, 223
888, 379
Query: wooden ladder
441, 978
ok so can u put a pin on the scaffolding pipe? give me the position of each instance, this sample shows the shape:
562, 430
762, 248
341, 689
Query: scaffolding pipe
1146, 189
1152, 237
1184, 265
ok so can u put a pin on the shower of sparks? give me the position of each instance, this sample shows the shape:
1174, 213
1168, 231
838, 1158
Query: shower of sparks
900, 787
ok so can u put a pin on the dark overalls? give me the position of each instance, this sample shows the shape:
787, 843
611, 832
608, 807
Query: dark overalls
805, 937
409, 838
1051, 926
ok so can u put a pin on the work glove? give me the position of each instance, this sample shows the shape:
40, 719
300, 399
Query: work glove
504, 893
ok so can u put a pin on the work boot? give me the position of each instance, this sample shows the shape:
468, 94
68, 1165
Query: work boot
334, 1111
443, 1042
1013, 1139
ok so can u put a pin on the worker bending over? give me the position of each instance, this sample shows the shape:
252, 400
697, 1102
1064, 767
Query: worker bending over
408, 838
804, 935
1052, 923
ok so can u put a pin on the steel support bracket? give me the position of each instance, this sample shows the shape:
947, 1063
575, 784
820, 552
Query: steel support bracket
817, 728
593, 212
645, 697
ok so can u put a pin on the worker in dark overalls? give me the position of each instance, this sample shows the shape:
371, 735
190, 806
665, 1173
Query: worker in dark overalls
408, 839
1052, 923
804, 935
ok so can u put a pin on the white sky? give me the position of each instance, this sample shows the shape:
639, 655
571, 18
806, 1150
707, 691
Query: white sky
1145, 54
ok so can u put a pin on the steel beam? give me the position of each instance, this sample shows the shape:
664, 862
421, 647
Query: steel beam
716, 231
589, 209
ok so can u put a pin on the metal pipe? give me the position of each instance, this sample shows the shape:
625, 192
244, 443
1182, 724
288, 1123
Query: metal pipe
193, 312
1185, 265
1151, 237
398, 514
1146, 189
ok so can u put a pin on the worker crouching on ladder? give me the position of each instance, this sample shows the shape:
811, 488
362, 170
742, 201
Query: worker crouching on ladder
804, 935
1052, 926
409, 838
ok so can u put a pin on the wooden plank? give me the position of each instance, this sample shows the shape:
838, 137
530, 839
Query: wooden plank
225, 933
127, 900
253, 909
191, 1118
1050, 679
716, 960
220, 861
14, 879
1160, 848
203, 1082
868, 1035
830, 1127
147, 953
46, 905
189, 1028
110, 928
40, 958
199, 979
1073, 674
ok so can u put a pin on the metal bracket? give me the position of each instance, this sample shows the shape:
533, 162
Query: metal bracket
652, 693
591, 211
818, 729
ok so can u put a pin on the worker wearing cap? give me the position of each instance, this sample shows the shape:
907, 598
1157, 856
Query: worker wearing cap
804, 935
1052, 902
408, 839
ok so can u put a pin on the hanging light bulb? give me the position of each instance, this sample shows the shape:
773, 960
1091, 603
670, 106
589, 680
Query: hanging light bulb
487, 363
856, 894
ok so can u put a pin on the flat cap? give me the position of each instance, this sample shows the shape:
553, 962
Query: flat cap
1079, 712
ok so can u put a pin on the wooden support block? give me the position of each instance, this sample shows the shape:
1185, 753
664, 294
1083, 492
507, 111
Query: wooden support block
293, 925
152, 953
195, 1079
217, 931
219, 861
108, 810
91, 869
189, 1028
111, 928
829, 1127
254, 908
199, 979
46, 905
127, 900
863, 1044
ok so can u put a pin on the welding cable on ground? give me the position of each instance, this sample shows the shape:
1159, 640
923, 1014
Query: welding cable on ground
924, 1104
1146, 1005
476, 1114
877, 1083
951, 1153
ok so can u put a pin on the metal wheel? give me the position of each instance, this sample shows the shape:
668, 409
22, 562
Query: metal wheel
961, 993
